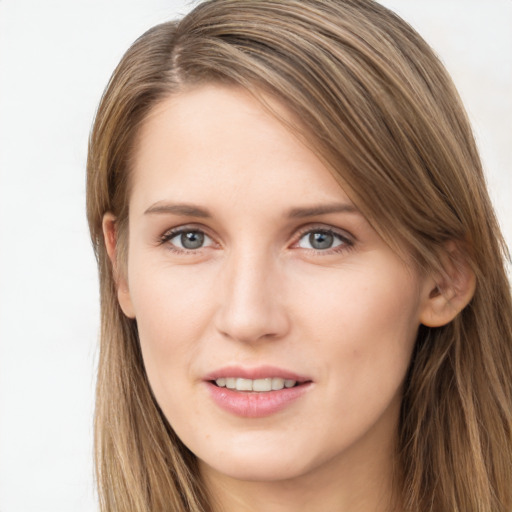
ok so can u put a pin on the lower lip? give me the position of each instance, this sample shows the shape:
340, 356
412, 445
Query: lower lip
255, 404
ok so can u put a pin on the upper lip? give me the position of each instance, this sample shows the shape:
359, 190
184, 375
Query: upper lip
257, 372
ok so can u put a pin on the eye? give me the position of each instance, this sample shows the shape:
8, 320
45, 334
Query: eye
323, 240
187, 239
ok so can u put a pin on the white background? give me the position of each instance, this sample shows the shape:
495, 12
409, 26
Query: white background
55, 59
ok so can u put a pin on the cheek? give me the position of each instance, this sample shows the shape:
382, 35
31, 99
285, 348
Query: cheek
172, 307
350, 303
364, 325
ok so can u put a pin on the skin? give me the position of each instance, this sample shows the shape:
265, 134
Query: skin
257, 293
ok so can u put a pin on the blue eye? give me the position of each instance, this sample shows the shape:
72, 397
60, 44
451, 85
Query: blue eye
322, 240
188, 239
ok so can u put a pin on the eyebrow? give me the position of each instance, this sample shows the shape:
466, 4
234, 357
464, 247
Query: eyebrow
191, 210
322, 209
185, 209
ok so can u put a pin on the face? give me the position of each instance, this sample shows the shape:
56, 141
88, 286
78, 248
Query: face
276, 326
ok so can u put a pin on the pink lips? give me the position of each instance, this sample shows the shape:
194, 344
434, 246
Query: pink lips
255, 404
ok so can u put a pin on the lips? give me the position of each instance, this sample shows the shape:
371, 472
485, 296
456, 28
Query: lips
255, 392
259, 372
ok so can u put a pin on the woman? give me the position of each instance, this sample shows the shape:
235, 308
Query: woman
304, 301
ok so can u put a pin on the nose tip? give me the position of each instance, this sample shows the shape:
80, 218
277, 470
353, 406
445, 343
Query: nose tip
250, 323
251, 306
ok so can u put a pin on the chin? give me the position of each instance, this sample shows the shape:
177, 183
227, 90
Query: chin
259, 459
258, 470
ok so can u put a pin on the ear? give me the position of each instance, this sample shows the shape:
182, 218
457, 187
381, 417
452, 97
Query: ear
450, 292
111, 238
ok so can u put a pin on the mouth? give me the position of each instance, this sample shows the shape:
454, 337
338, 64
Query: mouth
263, 385
256, 392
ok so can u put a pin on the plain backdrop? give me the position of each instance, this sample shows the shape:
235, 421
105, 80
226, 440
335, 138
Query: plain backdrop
55, 59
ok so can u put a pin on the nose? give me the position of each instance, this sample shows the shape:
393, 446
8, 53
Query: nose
251, 305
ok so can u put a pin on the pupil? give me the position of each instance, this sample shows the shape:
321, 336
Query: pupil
192, 240
321, 240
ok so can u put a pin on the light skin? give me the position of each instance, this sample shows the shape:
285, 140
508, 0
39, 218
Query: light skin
244, 251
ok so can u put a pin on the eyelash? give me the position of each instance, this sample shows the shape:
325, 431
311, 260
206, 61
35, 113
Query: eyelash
166, 238
346, 240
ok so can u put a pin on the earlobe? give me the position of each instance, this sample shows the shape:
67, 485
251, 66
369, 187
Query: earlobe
110, 236
448, 294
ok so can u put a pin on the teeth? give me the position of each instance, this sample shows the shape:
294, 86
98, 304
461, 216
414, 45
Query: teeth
277, 383
243, 384
260, 385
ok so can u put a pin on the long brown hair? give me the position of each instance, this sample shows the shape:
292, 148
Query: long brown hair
374, 102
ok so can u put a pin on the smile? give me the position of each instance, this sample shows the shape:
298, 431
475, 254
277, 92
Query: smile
256, 392
258, 385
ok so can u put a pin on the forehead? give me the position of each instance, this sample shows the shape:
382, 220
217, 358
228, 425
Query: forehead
221, 141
